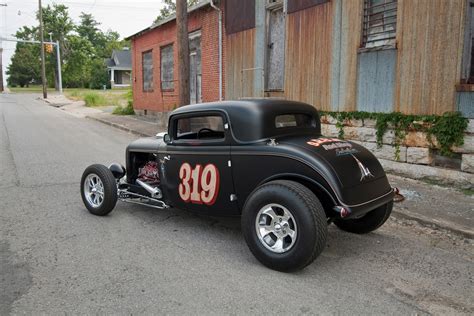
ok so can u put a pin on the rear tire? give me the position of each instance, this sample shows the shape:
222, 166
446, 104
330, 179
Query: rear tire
284, 225
367, 223
98, 189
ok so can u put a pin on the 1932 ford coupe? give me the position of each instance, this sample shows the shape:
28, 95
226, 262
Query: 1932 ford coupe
264, 160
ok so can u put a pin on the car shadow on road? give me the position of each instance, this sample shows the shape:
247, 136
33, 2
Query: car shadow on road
342, 247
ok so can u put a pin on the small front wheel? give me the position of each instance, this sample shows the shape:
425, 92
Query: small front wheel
284, 225
98, 190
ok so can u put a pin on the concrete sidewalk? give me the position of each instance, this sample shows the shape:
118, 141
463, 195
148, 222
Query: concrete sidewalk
429, 205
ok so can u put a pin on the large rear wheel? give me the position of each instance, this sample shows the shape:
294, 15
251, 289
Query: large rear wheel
284, 225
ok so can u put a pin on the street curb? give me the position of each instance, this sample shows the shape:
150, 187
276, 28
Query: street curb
430, 222
424, 221
121, 127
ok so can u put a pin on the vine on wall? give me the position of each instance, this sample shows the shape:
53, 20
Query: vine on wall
448, 129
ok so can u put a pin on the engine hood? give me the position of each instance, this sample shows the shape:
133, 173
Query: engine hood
352, 170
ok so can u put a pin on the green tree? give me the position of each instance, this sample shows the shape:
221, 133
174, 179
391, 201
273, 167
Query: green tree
170, 9
25, 65
83, 50
77, 67
58, 23
99, 75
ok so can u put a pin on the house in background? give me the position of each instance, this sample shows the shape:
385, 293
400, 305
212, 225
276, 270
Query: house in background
155, 61
120, 68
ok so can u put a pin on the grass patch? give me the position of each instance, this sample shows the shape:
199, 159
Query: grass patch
30, 89
468, 192
94, 99
100, 98
124, 110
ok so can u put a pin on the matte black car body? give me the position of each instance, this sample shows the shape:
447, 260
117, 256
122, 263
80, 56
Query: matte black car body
254, 151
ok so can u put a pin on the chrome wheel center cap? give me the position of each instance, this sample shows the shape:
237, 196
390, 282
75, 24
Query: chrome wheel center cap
278, 227
94, 190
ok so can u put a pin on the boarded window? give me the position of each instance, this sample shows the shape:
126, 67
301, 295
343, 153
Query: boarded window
147, 70
380, 23
167, 65
297, 5
239, 15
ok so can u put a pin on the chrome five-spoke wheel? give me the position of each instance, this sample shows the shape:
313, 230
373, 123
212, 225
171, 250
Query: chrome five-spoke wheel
94, 190
276, 228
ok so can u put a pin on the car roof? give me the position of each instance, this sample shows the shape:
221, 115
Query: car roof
254, 119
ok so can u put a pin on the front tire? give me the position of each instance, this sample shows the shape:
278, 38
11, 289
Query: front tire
367, 223
284, 225
98, 190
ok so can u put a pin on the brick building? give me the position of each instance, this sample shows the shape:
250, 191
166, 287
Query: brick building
155, 61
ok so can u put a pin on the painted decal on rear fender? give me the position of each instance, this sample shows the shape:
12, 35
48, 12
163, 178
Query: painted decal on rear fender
341, 147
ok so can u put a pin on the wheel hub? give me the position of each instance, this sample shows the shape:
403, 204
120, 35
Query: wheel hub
276, 228
94, 190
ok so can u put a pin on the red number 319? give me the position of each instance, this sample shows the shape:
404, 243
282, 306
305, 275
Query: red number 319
199, 185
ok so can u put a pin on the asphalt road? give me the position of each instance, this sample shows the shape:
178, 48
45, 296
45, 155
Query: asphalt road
57, 258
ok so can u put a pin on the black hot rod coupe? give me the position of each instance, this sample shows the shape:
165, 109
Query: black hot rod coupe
264, 160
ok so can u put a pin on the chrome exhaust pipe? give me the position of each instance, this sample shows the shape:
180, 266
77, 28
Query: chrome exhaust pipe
155, 192
343, 212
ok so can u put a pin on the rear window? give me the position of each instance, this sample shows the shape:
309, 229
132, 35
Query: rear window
295, 120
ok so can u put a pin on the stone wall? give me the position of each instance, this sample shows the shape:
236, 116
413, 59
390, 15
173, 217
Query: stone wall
415, 149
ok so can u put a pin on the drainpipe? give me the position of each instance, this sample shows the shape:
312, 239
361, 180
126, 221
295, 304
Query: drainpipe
220, 47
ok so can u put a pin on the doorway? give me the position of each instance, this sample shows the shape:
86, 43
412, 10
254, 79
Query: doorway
275, 52
195, 74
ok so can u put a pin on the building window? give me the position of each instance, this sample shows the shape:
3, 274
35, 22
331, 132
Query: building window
167, 65
147, 69
380, 23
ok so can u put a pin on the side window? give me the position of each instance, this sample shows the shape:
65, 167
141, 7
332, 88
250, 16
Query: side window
167, 64
147, 70
380, 23
209, 127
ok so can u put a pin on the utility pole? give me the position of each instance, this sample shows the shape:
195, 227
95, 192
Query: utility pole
43, 67
1, 57
183, 51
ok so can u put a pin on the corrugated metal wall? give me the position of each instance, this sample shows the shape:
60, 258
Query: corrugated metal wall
376, 82
430, 37
323, 65
240, 56
308, 55
346, 35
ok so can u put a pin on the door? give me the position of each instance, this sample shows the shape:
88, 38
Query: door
275, 66
195, 67
197, 167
